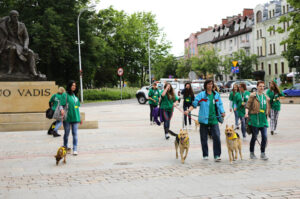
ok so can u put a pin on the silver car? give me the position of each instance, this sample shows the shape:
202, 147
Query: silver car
250, 87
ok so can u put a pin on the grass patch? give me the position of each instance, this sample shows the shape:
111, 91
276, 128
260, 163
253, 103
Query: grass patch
108, 94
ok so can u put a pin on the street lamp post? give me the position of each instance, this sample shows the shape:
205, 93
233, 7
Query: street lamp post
79, 51
149, 61
297, 68
240, 63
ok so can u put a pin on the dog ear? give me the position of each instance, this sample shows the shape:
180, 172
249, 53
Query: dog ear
232, 127
226, 125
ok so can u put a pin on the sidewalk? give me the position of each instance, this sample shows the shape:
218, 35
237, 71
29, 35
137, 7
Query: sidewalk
128, 158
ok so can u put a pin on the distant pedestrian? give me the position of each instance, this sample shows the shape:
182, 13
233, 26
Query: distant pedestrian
240, 104
211, 110
188, 98
55, 101
232, 99
168, 101
73, 116
153, 97
257, 109
274, 93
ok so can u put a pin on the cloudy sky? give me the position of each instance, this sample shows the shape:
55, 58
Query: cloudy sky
179, 18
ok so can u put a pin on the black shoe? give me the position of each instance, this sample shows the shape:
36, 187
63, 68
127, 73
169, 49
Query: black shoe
55, 134
272, 132
50, 132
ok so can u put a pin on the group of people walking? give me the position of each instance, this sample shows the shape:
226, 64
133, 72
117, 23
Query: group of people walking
250, 109
66, 111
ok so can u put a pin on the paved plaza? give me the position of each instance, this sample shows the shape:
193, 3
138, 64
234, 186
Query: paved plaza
128, 158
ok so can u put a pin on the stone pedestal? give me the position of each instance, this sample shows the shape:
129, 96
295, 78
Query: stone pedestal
23, 106
26, 97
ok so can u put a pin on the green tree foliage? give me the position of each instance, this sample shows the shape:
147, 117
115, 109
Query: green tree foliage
165, 66
245, 68
183, 68
110, 39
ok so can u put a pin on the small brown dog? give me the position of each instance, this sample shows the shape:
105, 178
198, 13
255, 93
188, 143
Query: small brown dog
61, 154
183, 142
233, 143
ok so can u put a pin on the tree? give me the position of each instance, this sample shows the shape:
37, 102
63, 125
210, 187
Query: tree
165, 66
183, 68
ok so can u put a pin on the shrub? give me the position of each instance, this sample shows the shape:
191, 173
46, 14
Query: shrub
109, 94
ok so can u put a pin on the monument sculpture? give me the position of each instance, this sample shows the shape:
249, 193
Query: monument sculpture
17, 61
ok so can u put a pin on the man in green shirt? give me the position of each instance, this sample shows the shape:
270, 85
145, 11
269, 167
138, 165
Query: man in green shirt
153, 97
241, 100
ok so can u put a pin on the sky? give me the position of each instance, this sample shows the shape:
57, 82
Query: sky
180, 18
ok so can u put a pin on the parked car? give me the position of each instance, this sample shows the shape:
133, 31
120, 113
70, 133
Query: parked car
293, 91
197, 87
250, 87
228, 84
221, 87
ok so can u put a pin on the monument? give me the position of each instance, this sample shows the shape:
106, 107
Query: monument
24, 91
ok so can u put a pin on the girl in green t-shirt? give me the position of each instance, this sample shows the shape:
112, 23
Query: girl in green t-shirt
274, 93
168, 101
232, 100
73, 116
153, 97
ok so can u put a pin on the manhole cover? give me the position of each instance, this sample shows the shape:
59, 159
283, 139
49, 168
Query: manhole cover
123, 163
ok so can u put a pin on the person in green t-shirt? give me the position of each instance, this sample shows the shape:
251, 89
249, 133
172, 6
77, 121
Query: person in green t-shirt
257, 109
188, 98
73, 116
55, 101
274, 93
234, 91
241, 100
153, 97
168, 101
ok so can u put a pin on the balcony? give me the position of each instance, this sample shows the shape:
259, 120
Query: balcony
245, 44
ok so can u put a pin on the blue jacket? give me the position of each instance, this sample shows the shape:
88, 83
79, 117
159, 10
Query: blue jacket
202, 101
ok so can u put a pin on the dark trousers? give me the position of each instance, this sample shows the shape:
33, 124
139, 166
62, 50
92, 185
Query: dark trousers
167, 115
243, 126
264, 138
204, 128
185, 107
151, 110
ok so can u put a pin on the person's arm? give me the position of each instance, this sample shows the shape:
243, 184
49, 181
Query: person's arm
194, 104
268, 106
166, 90
150, 94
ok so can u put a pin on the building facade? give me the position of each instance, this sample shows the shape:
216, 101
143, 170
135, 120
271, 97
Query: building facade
267, 41
233, 34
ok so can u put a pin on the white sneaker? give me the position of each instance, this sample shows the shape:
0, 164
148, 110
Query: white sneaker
151, 123
205, 158
75, 153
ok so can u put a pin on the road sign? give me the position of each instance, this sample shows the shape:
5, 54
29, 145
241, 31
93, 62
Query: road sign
120, 71
235, 69
235, 63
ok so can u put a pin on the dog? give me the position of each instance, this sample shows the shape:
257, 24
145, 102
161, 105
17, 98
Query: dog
61, 154
197, 124
183, 142
233, 144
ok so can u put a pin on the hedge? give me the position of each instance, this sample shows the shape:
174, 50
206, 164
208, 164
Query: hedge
109, 94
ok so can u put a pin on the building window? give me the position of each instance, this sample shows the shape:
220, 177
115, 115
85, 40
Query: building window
284, 26
247, 37
257, 34
276, 69
235, 41
273, 13
282, 67
256, 67
284, 47
283, 9
258, 17
262, 66
260, 33
287, 8
270, 49
258, 51
287, 25
270, 69
270, 14
274, 29
274, 51
261, 54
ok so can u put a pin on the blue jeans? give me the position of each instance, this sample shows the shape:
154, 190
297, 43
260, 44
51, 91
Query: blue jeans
264, 138
57, 125
243, 127
167, 115
236, 117
74, 134
215, 136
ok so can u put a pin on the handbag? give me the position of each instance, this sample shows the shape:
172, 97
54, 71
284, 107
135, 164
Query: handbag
49, 113
248, 127
57, 114
219, 116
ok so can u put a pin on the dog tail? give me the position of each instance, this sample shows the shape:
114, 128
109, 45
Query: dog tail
172, 133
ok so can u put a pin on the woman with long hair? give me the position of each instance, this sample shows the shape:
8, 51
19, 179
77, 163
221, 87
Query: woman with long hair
188, 98
153, 97
258, 109
274, 93
232, 99
73, 115
168, 101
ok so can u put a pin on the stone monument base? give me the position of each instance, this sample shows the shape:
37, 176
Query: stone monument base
34, 122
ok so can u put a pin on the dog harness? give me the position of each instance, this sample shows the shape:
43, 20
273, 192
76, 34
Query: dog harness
234, 136
185, 139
